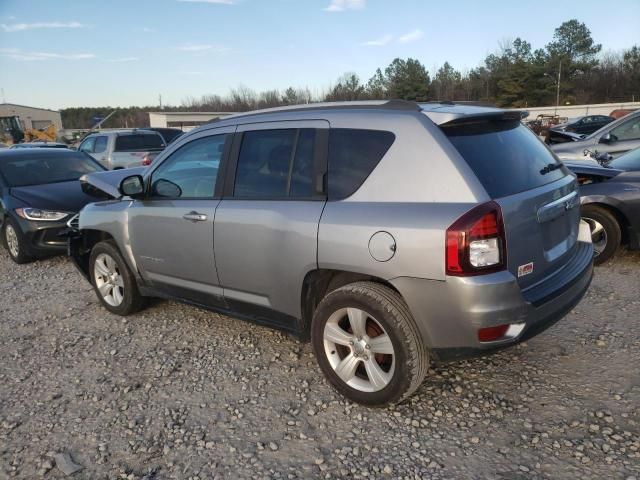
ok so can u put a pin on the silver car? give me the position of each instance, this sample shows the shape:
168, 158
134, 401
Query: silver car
390, 234
614, 139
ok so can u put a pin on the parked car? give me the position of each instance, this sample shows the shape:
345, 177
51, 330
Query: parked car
628, 161
169, 134
39, 192
614, 138
544, 122
621, 112
39, 145
116, 149
580, 125
389, 233
610, 200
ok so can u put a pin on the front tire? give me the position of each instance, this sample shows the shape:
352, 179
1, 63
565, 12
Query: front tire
606, 234
112, 280
14, 242
368, 345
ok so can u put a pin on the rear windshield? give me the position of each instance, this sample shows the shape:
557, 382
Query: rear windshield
138, 142
42, 168
506, 156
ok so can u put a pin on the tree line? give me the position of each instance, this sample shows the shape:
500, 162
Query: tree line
515, 76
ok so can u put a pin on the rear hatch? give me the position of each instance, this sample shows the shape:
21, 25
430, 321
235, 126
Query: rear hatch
131, 148
537, 193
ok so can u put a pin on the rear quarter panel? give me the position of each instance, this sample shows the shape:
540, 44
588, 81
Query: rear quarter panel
419, 188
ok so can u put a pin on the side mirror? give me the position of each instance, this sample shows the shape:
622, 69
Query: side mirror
167, 189
132, 186
607, 138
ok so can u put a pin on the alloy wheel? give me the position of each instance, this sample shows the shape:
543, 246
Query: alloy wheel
359, 349
598, 236
108, 278
12, 240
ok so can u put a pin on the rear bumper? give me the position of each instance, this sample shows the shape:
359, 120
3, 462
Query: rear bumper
450, 313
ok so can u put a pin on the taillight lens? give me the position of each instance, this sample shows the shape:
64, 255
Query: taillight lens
147, 160
476, 242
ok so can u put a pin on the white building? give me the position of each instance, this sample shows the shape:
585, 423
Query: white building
183, 120
32, 117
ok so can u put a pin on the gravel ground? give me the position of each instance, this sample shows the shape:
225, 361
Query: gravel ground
177, 392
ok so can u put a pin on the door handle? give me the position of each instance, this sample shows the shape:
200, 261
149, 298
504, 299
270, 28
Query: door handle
195, 217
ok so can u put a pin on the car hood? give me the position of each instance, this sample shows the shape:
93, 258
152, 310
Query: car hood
62, 196
572, 150
105, 184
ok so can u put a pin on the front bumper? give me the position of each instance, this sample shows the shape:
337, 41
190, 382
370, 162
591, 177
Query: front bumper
450, 313
43, 238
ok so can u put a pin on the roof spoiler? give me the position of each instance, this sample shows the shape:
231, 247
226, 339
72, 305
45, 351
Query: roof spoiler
498, 115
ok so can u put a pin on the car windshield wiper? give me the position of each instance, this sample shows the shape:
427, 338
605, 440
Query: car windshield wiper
550, 168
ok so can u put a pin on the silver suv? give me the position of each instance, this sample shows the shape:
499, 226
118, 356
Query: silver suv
390, 234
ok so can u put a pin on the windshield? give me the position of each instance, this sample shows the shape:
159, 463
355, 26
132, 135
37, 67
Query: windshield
40, 168
628, 161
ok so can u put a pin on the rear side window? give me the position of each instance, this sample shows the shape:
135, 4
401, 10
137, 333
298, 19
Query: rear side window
276, 164
506, 156
353, 154
132, 143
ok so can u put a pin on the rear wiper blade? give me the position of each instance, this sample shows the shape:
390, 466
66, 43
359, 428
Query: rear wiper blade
550, 168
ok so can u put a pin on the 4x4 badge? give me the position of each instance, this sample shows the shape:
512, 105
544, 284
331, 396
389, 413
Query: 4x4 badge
525, 269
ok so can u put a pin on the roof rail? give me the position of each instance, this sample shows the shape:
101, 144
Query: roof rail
473, 103
365, 104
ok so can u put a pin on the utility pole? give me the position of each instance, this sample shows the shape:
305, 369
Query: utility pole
558, 87
160, 99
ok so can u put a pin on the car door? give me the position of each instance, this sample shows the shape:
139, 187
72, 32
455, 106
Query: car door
88, 145
172, 229
267, 222
100, 150
622, 138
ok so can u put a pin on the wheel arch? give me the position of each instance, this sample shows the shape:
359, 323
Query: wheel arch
619, 215
318, 283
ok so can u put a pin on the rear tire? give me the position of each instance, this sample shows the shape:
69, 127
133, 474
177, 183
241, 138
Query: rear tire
368, 345
14, 242
606, 233
112, 280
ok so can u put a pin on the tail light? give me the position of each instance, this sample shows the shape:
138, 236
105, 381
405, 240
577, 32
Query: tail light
147, 160
476, 242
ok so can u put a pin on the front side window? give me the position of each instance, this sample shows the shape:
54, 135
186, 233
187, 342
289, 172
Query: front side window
101, 144
87, 145
190, 172
629, 130
275, 164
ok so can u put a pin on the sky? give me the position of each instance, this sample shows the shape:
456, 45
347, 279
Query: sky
57, 54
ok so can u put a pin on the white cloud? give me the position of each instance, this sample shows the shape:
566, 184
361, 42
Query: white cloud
18, 54
148, 30
196, 48
341, 5
123, 59
378, 42
213, 2
412, 36
19, 27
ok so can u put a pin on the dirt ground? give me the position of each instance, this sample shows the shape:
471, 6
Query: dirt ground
175, 392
